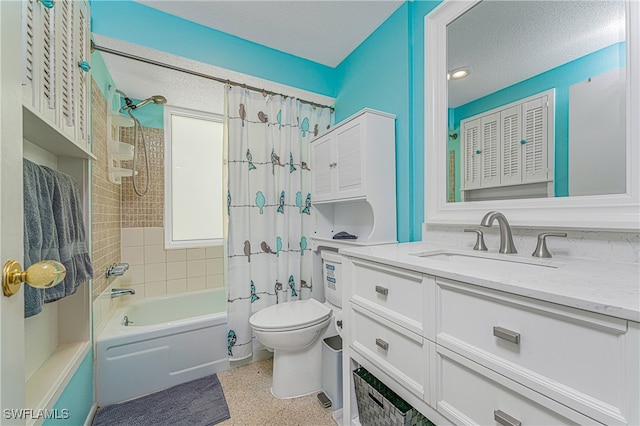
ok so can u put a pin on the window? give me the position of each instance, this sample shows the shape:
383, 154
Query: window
194, 175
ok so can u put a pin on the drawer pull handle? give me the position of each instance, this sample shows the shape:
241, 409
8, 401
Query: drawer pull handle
508, 335
376, 400
382, 344
382, 290
505, 419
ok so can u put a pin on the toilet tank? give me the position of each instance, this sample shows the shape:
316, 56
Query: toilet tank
331, 276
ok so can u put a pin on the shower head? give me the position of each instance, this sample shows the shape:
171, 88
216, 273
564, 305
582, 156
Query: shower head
156, 99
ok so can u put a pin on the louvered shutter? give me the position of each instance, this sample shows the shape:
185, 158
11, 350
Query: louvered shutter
48, 61
67, 64
490, 150
511, 172
28, 53
535, 138
471, 154
82, 49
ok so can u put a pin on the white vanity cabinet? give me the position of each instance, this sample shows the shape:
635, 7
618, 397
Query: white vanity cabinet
462, 353
353, 158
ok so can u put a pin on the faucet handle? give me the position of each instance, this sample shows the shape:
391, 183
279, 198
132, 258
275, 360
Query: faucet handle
480, 245
541, 248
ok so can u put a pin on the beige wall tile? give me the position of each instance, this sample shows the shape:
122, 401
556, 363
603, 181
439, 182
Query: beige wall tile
176, 270
214, 266
196, 253
156, 288
133, 255
155, 272
132, 237
176, 286
154, 254
196, 283
215, 252
176, 255
196, 268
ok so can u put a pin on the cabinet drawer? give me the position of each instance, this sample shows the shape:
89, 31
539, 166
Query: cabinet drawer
394, 293
569, 355
400, 353
471, 394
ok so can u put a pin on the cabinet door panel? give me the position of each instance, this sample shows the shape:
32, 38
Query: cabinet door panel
490, 151
47, 59
29, 54
471, 163
511, 172
535, 137
322, 168
349, 167
65, 46
83, 81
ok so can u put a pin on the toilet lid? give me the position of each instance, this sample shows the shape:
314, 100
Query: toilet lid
290, 315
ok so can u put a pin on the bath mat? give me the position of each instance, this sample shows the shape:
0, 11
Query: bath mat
200, 402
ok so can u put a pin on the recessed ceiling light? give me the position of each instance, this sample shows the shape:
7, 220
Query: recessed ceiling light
458, 73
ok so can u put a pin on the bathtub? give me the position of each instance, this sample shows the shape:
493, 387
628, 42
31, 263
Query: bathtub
171, 340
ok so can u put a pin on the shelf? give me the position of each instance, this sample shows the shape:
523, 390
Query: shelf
317, 242
121, 151
44, 386
46, 136
121, 120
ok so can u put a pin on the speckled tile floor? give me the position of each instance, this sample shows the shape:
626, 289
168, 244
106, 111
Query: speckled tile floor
248, 393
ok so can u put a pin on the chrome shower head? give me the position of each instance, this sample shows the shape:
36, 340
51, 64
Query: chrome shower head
156, 99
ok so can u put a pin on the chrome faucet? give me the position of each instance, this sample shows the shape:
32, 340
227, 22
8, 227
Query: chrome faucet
117, 292
506, 239
117, 269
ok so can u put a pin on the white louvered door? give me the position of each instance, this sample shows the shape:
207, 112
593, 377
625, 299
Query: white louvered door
322, 159
82, 80
472, 152
534, 162
490, 151
348, 165
66, 65
29, 66
47, 62
511, 170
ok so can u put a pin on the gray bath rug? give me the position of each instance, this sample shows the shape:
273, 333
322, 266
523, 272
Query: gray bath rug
197, 403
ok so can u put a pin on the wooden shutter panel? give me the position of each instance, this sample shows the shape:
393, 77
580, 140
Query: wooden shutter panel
471, 164
511, 145
535, 136
490, 151
48, 57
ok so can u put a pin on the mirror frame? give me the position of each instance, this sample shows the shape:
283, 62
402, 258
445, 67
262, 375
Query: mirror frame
606, 212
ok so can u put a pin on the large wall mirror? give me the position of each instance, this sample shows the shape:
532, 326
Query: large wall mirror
531, 109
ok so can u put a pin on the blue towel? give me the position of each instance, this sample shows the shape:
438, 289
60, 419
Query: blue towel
53, 229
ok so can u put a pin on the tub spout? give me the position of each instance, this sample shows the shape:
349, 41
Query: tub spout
117, 292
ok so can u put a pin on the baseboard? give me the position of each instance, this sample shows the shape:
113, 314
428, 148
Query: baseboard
91, 415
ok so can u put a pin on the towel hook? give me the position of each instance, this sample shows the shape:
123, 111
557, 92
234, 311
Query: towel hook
43, 274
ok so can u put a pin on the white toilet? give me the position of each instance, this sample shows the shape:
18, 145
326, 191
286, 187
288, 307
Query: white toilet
293, 330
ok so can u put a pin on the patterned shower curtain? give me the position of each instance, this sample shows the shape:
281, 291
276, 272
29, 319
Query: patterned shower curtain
269, 206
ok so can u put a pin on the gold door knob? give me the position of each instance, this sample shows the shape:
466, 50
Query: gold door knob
43, 274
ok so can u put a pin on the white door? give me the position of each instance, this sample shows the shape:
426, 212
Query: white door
511, 170
471, 154
12, 373
534, 126
322, 169
349, 167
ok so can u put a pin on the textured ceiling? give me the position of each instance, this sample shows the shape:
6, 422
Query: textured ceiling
505, 42
319, 30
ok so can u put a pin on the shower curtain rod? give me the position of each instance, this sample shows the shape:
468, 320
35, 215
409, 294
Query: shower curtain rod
198, 74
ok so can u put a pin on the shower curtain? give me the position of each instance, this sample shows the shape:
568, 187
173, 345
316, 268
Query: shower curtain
269, 206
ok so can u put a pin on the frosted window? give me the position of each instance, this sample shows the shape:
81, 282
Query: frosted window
194, 179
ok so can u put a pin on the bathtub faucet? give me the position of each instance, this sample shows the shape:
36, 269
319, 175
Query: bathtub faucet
117, 292
117, 269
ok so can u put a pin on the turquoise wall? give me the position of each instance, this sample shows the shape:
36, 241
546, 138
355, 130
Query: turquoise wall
142, 25
386, 72
376, 75
77, 398
560, 79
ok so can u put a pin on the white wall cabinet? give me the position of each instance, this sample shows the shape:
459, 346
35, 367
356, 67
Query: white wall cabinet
510, 145
465, 354
55, 81
353, 177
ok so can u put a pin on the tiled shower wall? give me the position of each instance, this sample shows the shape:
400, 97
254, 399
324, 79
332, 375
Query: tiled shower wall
154, 271
146, 211
105, 215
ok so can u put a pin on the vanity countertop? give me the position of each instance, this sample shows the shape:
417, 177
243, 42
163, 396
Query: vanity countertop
607, 288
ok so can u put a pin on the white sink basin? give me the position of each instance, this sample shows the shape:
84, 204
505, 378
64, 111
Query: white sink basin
490, 261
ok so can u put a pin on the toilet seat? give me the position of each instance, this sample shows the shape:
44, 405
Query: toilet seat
290, 316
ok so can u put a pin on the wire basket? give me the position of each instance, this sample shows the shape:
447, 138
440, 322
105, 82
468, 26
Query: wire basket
378, 405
